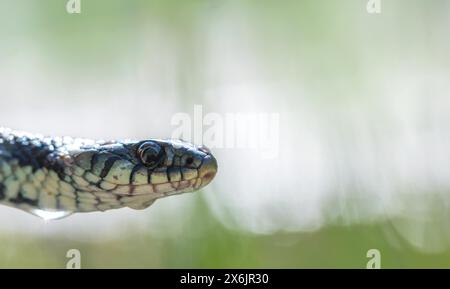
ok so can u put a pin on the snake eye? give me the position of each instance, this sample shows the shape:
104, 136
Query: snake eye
151, 154
189, 160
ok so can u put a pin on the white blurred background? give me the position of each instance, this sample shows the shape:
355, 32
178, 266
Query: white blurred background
363, 100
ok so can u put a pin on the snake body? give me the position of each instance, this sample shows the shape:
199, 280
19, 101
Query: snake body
63, 174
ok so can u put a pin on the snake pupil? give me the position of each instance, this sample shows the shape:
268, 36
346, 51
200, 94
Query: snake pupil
150, 159
150, 153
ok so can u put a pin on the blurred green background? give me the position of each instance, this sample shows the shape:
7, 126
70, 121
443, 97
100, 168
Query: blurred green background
363, 144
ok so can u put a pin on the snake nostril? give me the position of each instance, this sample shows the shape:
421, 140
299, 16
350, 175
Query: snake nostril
205, 150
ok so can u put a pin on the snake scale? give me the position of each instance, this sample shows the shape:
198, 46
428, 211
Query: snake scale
62, 174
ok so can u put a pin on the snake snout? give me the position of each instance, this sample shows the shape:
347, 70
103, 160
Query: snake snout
208, 169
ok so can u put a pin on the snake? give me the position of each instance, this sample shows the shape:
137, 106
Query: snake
53, 177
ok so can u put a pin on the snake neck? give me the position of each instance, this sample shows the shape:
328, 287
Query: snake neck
26, 161
31, 151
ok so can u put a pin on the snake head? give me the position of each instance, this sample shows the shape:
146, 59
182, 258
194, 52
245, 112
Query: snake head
136, 173
181, 164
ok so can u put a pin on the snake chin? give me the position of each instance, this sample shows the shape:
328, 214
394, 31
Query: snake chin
141, 206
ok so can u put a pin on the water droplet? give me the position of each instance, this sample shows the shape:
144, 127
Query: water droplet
50, 215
